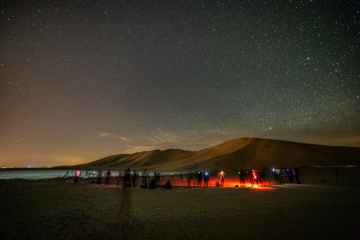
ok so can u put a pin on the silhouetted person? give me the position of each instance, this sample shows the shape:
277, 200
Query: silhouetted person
108, 175
241, 177
98, 179
222, 178
134, 178
152, 184
250, 176
76, 179
282, 175
276, 175
290, 175
172, 178
190, 178
144, 175
168, 184
127, 178
255, 177
206, 179
118, 179
261, 176
158, 179
181, 181
199, 178
295, 172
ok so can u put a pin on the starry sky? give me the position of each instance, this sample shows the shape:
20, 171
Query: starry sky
82, 80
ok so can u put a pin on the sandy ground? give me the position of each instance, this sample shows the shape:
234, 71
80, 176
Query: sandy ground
48, 209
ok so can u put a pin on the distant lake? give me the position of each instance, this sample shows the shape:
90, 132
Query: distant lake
35, 174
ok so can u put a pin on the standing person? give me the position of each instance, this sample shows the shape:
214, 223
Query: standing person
261, 176
144, 176
134, 178
199, 177
77, 174
241, 178
108, 175
295, 172
181, 180
250, 176
127, 178
172, 178
290, 175
98, 179
222, 178
190, 178
255, 177
158, 179
118, 179
282, 175
206, 179
276, 175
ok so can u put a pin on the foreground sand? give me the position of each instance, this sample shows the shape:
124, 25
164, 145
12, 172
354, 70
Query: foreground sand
48, 209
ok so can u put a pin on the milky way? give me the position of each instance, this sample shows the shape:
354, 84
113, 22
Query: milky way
81, 80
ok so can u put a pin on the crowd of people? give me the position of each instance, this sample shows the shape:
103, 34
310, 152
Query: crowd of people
282, 176
128, 178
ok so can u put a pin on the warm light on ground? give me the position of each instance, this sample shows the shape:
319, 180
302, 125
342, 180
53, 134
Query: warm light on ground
228, 183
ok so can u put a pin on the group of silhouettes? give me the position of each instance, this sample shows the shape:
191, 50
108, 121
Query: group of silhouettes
200, 179
131, 179
254, 176
282, 176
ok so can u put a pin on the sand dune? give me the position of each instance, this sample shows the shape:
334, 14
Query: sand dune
241, 153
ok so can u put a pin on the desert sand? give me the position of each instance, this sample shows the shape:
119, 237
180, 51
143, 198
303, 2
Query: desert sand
323, 207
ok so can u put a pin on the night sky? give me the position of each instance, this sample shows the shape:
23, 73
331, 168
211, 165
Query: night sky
82, 80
